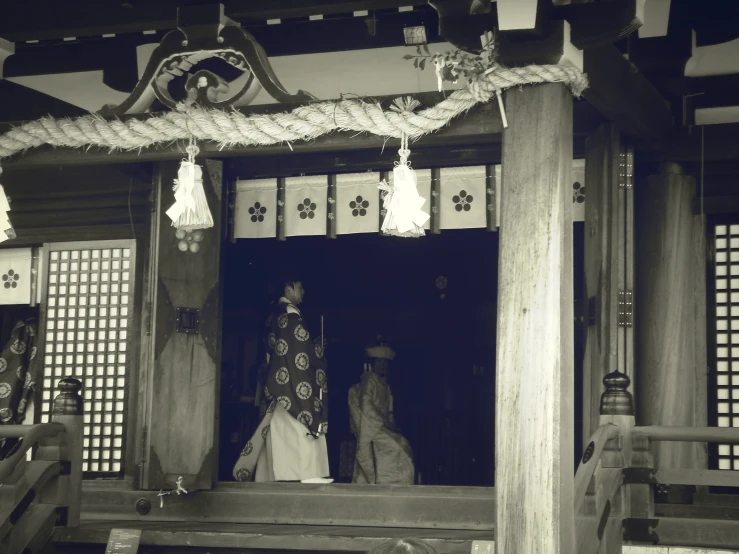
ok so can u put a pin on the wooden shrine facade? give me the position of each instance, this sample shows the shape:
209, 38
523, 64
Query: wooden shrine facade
645, 311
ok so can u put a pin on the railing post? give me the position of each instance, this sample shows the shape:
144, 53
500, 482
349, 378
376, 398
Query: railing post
68, 410
617, 407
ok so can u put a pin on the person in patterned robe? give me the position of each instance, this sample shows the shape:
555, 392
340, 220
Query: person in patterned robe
383, 455
17, 378
290, 441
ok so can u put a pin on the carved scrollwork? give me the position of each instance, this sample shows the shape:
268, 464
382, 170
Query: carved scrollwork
203, 33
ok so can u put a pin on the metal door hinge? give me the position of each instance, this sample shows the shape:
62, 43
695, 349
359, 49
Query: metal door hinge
625, 308
626, 168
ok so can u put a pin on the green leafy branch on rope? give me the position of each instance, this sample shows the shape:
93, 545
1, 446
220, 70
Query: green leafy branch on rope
455, 63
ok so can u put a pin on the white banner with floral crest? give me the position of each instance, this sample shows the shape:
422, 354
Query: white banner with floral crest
463, 203
423, 179
255, 209
15, 276
357, 203
305, 205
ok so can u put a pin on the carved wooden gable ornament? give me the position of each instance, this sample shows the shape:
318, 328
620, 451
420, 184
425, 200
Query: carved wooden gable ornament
204, 32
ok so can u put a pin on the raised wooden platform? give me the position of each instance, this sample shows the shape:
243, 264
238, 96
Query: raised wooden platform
160, 536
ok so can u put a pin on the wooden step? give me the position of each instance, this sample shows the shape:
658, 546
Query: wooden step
267, 537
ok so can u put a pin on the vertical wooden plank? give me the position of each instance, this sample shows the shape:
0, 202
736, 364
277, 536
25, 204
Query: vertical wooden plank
666, 350
331, 208
601, 292
435, 201
628, 361
534, 435
620, 280
492, 223
183, 411
699, 264
281, 230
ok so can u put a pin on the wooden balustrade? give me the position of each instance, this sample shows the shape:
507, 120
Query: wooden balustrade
45, 492
614, 484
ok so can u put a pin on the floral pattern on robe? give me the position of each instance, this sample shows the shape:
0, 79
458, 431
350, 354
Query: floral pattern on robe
17, 375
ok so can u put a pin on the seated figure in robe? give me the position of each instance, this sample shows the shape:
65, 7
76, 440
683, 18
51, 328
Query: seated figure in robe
290, 441
383, 455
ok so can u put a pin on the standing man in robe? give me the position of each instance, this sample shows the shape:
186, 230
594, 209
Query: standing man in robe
383, 456
290, 442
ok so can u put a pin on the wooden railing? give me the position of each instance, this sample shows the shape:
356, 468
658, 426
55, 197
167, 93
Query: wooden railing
614, 484
38, 495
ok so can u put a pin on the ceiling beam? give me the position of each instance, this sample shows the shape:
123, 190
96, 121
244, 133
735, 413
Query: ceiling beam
118, 54
624, 95
24, 104
720, 142
59, 20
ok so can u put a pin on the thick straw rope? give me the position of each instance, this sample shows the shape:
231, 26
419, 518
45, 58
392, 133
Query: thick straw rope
304, 123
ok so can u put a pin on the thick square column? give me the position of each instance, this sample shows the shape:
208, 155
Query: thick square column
534, 427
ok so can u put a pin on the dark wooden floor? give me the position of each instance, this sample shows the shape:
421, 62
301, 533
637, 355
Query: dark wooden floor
253, 538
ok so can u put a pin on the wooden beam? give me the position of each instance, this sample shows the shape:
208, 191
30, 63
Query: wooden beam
713, 142
534, 435
270, 538
688, 532
602, 151
292, 504
92, 18
113, 54
627, 98
23, 103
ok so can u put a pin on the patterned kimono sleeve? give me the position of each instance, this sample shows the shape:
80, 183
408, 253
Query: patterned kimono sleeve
295, 371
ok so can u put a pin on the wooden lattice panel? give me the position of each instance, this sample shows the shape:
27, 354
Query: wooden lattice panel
89, 301
727, 338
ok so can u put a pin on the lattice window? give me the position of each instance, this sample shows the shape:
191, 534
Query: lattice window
727, 338
88, 314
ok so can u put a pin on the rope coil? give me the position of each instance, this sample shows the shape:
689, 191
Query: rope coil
304, 123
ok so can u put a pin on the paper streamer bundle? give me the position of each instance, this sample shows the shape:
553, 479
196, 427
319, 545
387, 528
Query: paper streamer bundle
6, 228
403, 214
190, 210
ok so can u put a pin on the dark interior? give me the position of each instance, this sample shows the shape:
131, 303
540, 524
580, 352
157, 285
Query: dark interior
443, 378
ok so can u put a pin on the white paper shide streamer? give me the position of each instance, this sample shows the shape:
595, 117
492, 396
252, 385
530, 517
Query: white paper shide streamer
6, 228
190, 210
401, 201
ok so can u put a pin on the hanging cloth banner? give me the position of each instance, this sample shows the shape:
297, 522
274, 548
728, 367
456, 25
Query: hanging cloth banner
305, 205
357, 203
15, 276
463, 201
578, 190
423, 186
255, 209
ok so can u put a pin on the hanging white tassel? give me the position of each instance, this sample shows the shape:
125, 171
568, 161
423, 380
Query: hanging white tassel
6, 228
190, 210
403, 214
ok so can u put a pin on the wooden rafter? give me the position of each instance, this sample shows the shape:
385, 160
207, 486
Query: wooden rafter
54, 20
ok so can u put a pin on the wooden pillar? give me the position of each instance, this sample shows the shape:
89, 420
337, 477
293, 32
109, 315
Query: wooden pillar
183, 359
602, 154
670, 312
534, 427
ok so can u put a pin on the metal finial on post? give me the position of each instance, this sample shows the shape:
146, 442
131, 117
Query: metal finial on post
616, 400
69, 400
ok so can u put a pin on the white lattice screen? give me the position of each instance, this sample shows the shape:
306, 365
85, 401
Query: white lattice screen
89, 300
727, 338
